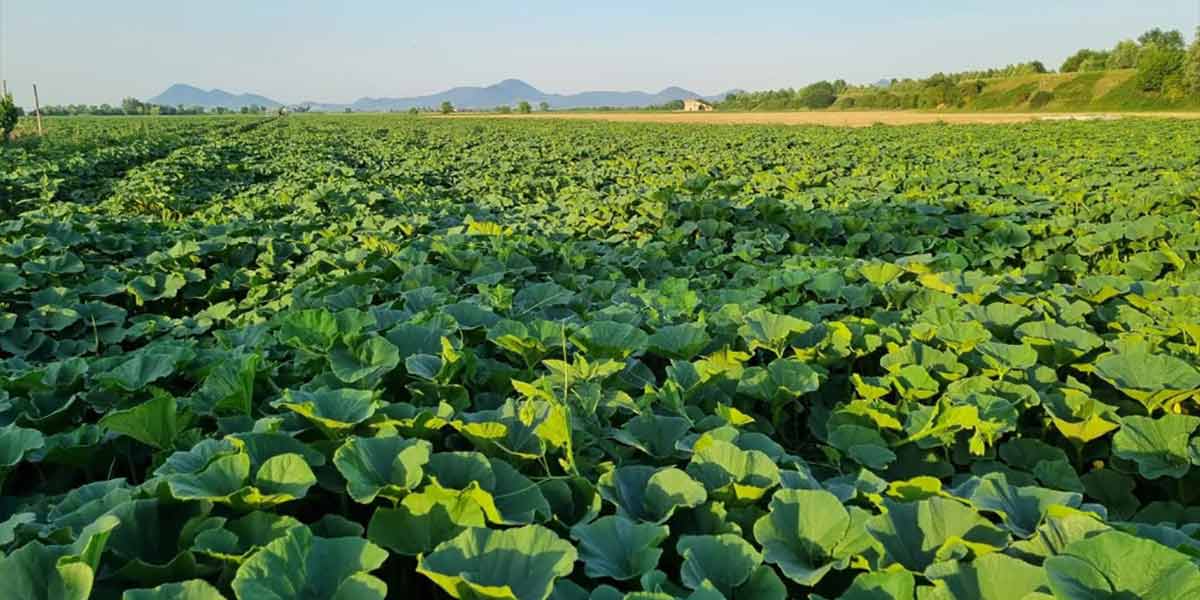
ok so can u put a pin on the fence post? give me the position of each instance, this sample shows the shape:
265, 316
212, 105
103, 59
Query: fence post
37, 109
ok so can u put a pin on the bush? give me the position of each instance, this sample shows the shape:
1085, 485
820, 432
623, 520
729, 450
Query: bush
1040, 99
8, 116
1077, 60
1155, 65
818, 95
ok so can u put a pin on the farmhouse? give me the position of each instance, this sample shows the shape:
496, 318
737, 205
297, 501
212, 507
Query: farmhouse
696, 105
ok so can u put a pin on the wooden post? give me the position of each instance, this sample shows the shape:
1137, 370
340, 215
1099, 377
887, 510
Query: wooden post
37, 109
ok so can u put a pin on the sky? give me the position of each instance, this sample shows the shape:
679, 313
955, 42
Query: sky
84, 51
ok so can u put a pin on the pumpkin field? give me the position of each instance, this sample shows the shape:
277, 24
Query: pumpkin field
379, 356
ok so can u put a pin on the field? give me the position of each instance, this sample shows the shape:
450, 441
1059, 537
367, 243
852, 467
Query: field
358, 357
833, 118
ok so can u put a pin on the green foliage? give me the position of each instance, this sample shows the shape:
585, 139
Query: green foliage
8, 116
1085, 60
1040, 99
1167, 40
1156, 65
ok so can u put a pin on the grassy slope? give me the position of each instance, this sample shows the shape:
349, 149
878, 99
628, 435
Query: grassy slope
1095, 91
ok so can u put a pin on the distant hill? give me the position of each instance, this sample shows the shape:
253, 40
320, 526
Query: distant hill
512, 91
186, 95
506, 93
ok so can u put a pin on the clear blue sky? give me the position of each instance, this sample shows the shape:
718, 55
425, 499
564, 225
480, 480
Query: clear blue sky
294, 50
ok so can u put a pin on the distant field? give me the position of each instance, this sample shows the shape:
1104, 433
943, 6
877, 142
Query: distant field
833, 118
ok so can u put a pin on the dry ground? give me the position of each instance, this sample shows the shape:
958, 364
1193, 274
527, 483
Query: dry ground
839, 119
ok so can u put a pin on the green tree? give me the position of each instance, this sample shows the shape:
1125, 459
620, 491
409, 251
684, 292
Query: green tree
544, 106
8, 116
524, 108
818, 95
133, 106
1168, 40
1191, 67
1156, 65
447, 108
1096, 62
504, 109
414, 111
1124, 55
1075, 62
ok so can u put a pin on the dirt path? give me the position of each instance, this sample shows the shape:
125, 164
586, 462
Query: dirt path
834, 118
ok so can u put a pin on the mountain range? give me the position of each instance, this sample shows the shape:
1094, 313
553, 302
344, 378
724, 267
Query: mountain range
186, 95
506, 93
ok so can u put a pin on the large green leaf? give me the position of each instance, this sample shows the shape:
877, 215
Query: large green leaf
387, 466
990, 577
188, 590
15, 443
1021, 508
62, 572
725, 561
226, 480
730, 473
1158, 446
1113, 564
314, 330
809, 532
609, 339
300, 566
616, 547
334, 412
235, 540
154, 422
366, 358
515, 564
424, 520
917, 534
1152, 379
644, 493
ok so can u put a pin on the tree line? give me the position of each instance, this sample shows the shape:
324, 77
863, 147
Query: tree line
134, 107
1163, 62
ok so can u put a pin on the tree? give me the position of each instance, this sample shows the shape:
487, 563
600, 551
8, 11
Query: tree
544, 106
524, 108
818, 95
133, 106
414, 111
1095, 62
1124, 55
8, 116
1156, 64
1075, 61
447, 108
1191, 67
504, 109
1168, 40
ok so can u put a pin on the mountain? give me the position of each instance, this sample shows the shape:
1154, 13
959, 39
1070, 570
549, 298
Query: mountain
512, 91
193, 96
506, 93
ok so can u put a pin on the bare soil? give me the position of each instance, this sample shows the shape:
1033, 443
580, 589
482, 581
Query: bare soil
832, 118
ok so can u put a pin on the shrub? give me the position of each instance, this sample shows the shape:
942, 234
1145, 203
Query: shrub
1155, 65
818, 95
1040, 99
8, 116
